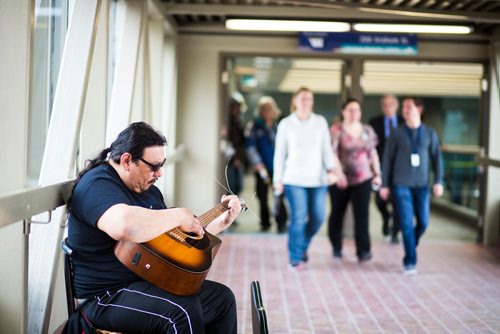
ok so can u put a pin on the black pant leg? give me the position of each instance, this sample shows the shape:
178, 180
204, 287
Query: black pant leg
338, 203
280, 210
142, 307
396, 225
360, 199
219, 308
262, 188
384, 211
282, 214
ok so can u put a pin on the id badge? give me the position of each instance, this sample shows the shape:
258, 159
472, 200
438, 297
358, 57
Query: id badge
415, 159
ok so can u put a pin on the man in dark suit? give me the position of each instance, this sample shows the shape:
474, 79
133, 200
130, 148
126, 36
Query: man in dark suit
383, 126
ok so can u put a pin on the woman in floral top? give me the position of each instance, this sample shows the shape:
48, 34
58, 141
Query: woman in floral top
354, 145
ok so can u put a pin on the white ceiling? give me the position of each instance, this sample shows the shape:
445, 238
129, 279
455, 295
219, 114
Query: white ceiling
286, 74
205, 16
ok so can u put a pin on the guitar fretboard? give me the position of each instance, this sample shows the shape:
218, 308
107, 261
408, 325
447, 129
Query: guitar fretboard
204, 219
213, 213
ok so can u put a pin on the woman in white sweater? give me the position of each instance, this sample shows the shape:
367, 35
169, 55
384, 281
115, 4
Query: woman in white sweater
303, 167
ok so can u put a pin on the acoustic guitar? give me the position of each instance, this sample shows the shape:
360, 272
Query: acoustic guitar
175, 261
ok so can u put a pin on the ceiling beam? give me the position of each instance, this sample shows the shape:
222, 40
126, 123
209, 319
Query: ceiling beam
316, 10
217, 28
170, 26
460, 4
475, 5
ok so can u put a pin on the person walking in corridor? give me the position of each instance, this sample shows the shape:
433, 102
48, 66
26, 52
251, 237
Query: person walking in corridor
235, 145
383, 126
260, 142
408, 153
303, 166
353, 144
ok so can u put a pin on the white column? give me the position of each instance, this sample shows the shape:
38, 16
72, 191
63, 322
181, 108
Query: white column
168, 119
492, 198
155, 69
93, 129
16, 32
138, 111
128, 32
59, 157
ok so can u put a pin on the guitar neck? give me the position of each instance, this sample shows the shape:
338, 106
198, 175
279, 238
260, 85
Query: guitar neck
204, 219
207, 217
213, 213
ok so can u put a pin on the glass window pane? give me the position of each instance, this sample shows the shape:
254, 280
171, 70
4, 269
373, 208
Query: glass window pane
280, 77
48, 43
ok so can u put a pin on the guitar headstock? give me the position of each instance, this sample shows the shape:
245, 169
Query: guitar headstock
244, 206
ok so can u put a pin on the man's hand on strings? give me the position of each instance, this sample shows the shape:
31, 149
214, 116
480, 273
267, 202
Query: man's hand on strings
234, 205
188, 222
227, 218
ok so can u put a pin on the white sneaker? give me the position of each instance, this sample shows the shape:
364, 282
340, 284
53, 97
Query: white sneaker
295, 267
410, 272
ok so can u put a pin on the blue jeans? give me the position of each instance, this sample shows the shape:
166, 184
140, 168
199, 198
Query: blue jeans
307, 213
412, 201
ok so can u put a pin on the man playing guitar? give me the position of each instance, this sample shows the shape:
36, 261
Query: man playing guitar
115, 201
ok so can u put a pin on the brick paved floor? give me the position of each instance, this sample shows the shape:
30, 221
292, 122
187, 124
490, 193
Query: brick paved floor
457, 289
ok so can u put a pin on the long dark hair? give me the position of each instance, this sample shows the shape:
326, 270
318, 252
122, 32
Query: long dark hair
134, 139
350, 100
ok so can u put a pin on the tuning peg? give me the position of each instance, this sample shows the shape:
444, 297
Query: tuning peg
244, 206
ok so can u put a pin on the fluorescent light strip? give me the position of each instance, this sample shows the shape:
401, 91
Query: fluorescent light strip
412, 28
287, 25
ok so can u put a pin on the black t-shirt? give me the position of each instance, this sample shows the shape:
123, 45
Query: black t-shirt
96, 268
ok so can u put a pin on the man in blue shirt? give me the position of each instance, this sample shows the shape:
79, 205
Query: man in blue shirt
410, 151
114, 199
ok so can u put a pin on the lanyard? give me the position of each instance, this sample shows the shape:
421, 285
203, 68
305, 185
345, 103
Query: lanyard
414, 144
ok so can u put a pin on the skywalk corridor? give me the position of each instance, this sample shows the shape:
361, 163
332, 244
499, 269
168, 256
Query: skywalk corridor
457, 289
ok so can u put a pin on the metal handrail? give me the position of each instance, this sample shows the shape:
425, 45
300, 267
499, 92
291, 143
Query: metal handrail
26, 203
466, 149
485, 161
472, 149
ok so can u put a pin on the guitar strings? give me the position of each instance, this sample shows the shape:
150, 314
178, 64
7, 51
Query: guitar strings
228, 189
176, 232
206, 219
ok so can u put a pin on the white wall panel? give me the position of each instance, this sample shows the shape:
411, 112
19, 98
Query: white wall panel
492, 216
15, 38
128, 31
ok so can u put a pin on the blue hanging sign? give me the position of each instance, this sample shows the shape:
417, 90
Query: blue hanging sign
359, 43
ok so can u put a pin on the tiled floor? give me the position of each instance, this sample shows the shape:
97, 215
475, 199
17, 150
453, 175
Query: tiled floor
457, 289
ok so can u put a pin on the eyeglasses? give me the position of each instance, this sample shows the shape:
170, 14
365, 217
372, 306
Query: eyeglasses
154, 167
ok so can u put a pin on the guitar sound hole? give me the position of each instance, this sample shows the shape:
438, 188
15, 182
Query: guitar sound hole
200, 243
